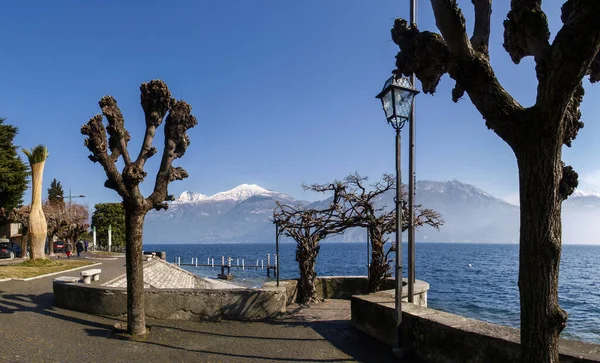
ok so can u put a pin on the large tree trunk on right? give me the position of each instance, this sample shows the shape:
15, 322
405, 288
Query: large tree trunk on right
38, 229
379, 268
306, 255
542, 320
134, 223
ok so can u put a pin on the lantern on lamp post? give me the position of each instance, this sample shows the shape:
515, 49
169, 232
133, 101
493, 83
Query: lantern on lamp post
397, 98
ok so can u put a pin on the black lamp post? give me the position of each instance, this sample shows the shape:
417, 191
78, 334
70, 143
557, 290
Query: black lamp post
396, 98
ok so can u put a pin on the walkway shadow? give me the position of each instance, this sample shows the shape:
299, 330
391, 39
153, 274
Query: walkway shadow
44, 304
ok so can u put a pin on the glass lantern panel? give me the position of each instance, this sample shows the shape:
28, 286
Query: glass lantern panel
403, 102
388, 106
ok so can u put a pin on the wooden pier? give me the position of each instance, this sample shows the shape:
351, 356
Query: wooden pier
210, 262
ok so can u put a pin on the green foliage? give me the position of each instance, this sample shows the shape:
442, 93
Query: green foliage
112, 214
36, 155
56, 194
13, 171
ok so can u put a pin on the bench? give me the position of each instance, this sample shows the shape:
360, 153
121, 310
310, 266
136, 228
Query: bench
90, 275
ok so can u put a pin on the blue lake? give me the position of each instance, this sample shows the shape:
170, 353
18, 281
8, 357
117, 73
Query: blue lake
487, 290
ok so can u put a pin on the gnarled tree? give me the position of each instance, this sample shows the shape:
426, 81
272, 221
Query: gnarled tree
157, 103
308, 227
536, 134
368, 211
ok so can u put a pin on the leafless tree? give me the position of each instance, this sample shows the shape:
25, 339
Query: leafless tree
308, 227
156, 102
367, 211
67, 222
21, 215
536, 134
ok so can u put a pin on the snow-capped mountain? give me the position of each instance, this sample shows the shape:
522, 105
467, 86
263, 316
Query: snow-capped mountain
237, 194
243, 214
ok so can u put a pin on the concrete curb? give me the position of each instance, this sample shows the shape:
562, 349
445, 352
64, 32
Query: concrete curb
102, 258
52, 274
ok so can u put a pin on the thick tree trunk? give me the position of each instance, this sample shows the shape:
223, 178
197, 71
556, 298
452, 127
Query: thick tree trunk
134, 223
51, 245
38, 229
306, 255
24, 237
542, 320
379, 268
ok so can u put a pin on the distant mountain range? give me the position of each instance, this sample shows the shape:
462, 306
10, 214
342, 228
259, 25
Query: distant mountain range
471, 215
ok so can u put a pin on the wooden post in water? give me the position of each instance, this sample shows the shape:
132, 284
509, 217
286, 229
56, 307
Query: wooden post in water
178, 261
222, 260
242, 264
238, 262
213, 262
262, 264
196, 261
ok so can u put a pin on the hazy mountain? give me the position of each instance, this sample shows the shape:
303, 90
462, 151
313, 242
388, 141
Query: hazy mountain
242, 215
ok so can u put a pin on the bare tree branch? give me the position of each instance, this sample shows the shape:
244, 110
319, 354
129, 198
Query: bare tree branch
481, 32
526, 30
96, 143
429, 57
561, 69
156, 101
119, 136
451, 23
180, 120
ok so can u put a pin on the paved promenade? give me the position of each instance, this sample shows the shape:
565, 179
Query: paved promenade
32, 329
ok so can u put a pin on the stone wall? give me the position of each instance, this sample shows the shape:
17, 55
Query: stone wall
175, 304
440, 337
344, 287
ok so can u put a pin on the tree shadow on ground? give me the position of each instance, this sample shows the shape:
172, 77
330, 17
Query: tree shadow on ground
42, 304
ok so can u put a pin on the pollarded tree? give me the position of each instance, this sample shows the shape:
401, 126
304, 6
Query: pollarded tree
308, 227
156, 102
368, 211
113, 215
536, 134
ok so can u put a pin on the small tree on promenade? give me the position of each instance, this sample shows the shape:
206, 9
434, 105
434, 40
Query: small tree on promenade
156, 102
536, 134
308, 227
367, 211
21, 215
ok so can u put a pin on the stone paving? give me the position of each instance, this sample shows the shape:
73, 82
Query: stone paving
34, 330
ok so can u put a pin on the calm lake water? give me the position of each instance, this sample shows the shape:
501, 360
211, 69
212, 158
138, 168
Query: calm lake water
487, 290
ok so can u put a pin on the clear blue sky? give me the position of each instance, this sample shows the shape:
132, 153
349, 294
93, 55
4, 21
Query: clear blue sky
283, 91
